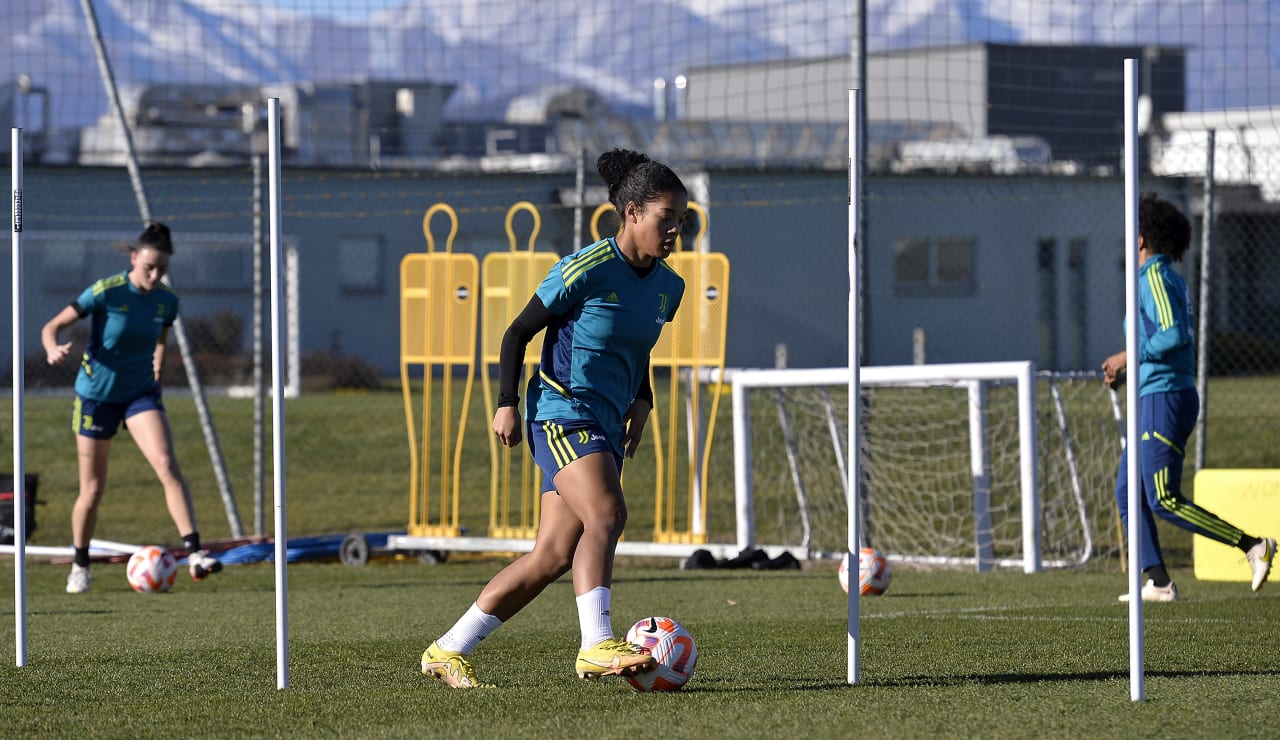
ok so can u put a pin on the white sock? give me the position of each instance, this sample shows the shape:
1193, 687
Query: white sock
593, 616
469, 630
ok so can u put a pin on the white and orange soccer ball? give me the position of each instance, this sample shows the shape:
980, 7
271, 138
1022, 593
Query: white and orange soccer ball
151, 570
672, 646
873, 572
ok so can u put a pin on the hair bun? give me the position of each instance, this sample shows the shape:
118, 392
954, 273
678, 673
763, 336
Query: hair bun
156, 236
615, 164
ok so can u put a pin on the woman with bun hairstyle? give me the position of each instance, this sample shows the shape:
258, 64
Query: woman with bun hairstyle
603, 308
130, 314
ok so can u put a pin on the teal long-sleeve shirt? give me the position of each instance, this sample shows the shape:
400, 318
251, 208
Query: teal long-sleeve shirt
1166, 334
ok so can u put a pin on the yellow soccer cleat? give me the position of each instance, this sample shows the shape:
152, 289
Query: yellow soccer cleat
453, 668
613, 657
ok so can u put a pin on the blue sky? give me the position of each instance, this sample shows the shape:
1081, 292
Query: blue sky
336, 8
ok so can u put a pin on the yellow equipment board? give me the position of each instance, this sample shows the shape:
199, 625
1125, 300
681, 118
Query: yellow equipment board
509, 280
693, 343
599, 213
1246, 498
438, 321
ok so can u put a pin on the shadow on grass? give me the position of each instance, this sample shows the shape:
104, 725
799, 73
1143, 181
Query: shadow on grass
688, 576
65, 612
701, 686
996, 679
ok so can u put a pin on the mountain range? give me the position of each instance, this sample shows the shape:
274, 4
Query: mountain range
493, 50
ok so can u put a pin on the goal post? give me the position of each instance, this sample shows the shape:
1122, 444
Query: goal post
972, 464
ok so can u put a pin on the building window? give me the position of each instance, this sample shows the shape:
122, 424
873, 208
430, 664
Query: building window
360, 264
1047, 311
933, 266
1077, 303
212, 265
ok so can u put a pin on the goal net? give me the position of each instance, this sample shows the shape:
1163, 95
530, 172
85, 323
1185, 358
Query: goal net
983, 465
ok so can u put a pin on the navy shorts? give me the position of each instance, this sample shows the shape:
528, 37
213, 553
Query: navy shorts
101, 419
554, 444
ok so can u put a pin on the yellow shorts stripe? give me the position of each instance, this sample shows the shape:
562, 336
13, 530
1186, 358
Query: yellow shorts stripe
560, 447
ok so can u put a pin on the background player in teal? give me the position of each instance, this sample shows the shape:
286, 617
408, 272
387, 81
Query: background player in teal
603, 309
130, 315
1168, 404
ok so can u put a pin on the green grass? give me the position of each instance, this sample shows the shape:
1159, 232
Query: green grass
943, 654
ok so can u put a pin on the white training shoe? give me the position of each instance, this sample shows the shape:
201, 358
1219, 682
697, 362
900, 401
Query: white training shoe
79, 579
1260, 557
1152, 592
203, 565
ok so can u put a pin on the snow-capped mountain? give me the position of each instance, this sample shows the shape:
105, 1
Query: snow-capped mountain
495, 49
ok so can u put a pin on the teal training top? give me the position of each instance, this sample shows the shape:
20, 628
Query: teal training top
124, 327
1166, 336
596, 349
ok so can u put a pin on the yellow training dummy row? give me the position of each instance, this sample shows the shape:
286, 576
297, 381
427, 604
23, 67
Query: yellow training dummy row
441, 295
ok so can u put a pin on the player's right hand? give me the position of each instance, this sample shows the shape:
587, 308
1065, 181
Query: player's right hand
1113, 369
57, 353
507, 425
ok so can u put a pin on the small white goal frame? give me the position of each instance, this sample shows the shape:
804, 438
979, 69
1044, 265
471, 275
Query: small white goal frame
972, 376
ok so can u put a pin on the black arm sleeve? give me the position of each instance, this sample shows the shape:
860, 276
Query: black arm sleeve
534, 318
645, 392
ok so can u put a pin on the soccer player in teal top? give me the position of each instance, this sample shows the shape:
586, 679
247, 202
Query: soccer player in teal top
603, 309
130, 315
1168, 404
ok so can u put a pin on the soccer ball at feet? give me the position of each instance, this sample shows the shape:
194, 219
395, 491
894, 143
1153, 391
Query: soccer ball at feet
873, 572
672, 646
151, 570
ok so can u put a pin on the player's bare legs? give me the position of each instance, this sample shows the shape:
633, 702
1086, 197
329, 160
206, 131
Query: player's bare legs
592, 491
579, 528
150, 430
93, 455
520, 582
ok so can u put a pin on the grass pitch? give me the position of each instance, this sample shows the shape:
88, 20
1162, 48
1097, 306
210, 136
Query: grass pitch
943, 654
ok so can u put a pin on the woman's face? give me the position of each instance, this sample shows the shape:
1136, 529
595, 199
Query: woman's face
148, 267
655, 225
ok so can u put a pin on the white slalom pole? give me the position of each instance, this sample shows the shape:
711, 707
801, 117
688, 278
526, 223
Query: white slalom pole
1132, 370
277, 394
19, 473
854, 468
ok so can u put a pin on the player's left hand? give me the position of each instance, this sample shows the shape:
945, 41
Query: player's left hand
635, 420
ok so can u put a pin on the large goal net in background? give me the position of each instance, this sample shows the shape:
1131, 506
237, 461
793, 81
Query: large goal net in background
951, 463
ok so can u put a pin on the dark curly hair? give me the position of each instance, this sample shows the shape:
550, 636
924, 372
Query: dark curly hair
634, 178
1163, 228
155, 236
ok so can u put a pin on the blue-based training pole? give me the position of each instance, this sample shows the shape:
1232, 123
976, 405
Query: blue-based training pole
277, 394
1132, 372
19, 474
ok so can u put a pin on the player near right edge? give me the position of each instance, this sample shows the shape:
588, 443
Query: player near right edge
1168, 404
603, 308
